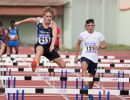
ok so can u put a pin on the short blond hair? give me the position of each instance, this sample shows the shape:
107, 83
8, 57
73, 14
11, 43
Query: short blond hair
48, 9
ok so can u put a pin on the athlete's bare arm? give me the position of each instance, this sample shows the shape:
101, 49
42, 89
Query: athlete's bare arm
77, 50
54, 33
28, 20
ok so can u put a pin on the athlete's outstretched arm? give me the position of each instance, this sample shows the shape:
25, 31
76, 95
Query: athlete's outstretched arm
28, 20
77, 50
54, 33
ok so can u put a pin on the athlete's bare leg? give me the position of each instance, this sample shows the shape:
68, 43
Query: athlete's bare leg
84, 70
39, 52
85, 74
60, 62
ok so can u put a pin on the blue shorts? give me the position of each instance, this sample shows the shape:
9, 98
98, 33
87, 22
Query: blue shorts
13, 42
92, 67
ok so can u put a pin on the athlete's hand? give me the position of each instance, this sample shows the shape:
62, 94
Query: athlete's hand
96, 47
76, 60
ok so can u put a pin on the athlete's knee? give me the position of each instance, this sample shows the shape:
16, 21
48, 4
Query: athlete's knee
39, 53
63, 65
84, 68
91, 75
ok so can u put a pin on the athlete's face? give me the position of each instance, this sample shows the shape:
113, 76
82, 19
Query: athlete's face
48, 17
90, 27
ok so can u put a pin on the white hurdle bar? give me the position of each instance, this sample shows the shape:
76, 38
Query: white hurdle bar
63, 91
43, 59
118, 92
58, 70
50, 91
54, 64
50, 78
63, 56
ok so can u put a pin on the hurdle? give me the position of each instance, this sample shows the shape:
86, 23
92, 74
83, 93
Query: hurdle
114, 60
76, 88
51, 91
43, 59
63, 56
89, 79
119, 75
118, 92
70, 70
65, 59
64, 91
3, 82
54, 64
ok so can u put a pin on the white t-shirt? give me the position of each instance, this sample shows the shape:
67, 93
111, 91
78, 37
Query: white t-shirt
89, 42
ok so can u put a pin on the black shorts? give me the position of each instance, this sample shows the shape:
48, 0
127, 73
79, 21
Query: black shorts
56, 47
49, 55
92, 67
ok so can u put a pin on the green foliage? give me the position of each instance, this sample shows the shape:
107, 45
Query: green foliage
118, 48
109, 48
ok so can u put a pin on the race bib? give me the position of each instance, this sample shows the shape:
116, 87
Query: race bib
90, 47
44, 39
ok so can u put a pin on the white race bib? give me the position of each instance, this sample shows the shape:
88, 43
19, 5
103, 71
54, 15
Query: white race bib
44, 39
90, 47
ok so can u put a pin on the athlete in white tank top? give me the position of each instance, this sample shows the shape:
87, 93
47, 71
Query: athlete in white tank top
48, 51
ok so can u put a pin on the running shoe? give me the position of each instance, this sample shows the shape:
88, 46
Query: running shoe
34, 65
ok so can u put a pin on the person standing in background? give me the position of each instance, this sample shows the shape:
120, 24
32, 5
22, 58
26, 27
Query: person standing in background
3, 39
57, 43
13, 37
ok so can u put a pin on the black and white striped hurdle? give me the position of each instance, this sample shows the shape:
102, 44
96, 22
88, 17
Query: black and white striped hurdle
50, 78
63, 56
43, 59
50, 91
63, 91
58, 70
54, 64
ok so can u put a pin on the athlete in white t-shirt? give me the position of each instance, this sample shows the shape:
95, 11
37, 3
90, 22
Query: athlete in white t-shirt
91, 42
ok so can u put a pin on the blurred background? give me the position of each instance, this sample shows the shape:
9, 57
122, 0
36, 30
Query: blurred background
112, 18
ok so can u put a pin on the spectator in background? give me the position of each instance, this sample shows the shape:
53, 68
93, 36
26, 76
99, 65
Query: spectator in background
57, 43
3, 39
13, 37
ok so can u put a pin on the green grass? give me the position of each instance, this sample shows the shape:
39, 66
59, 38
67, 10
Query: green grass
118, 48
109, 48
